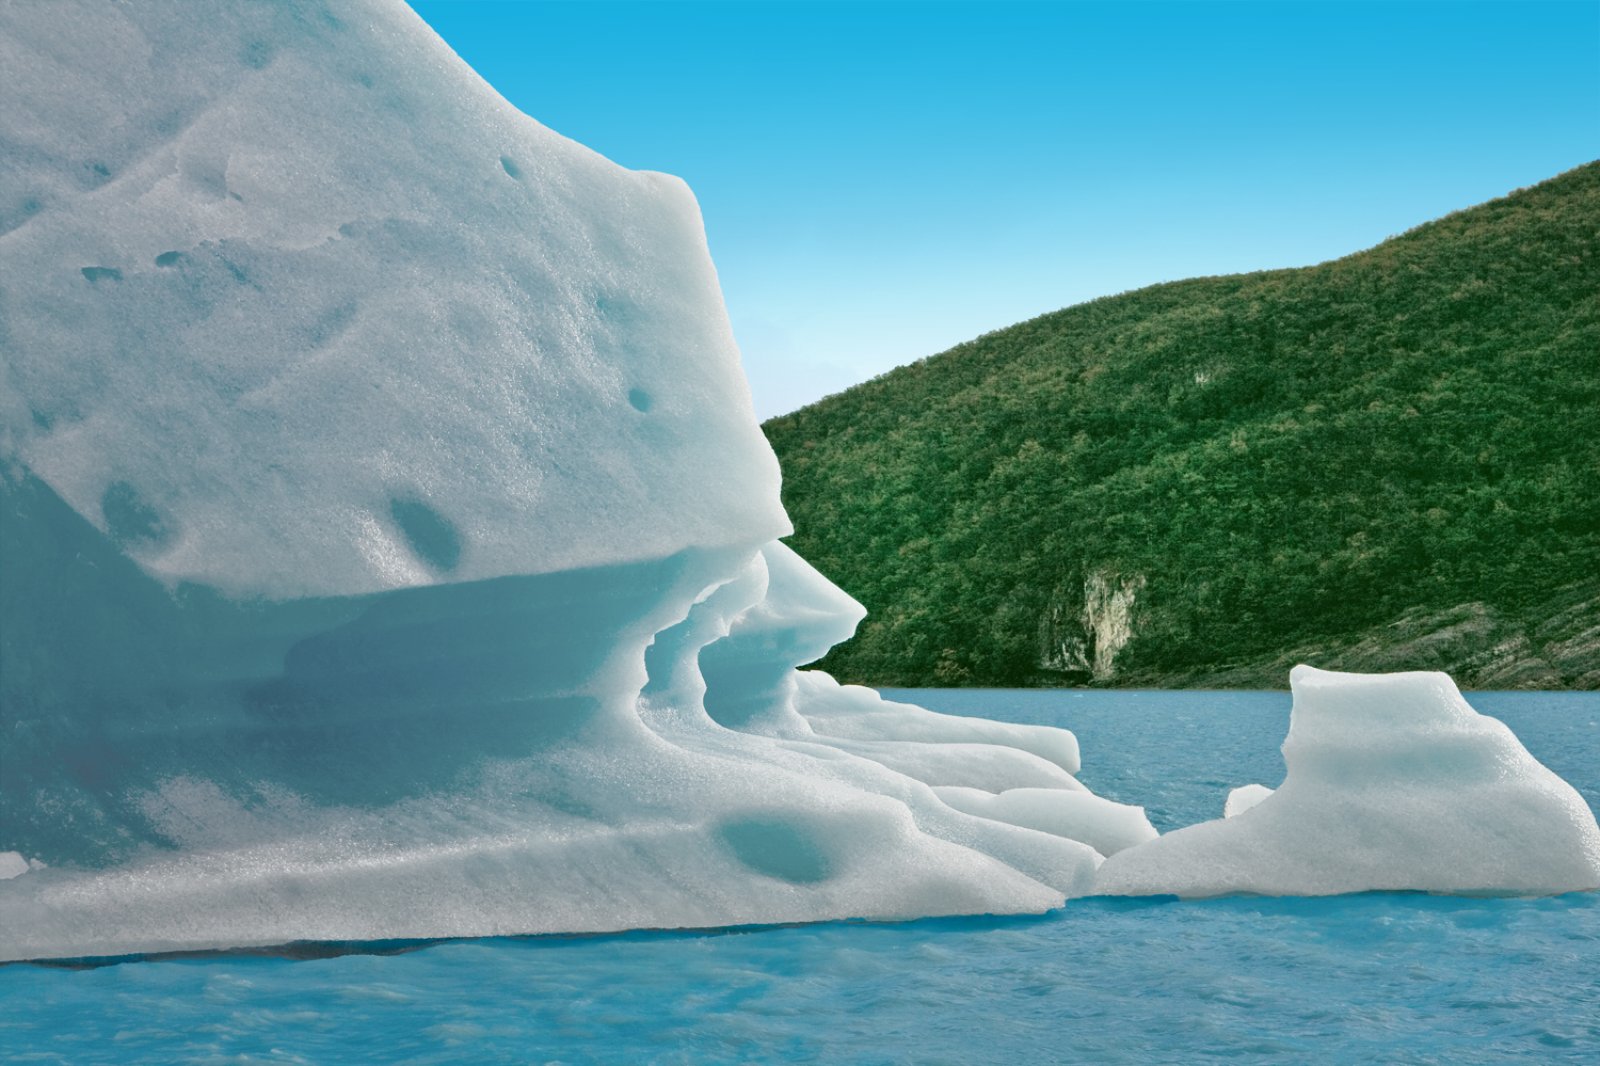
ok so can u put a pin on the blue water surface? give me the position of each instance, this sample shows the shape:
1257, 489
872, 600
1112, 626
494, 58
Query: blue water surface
1401, 978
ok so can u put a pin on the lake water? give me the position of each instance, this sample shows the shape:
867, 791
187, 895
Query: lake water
1399, 978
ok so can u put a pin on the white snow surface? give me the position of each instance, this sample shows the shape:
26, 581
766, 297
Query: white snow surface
389, 552
288, 278
1393, 782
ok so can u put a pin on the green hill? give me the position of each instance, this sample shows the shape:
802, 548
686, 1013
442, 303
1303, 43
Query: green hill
1387, 461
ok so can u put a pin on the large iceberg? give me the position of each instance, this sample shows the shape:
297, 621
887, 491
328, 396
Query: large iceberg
390, 550
389, 545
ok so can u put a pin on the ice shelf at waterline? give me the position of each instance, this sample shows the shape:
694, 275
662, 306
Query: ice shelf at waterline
390, 550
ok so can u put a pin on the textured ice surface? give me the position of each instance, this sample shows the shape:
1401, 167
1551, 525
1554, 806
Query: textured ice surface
388, 540
1107, 826
295, 304
1244, 797
1394, 782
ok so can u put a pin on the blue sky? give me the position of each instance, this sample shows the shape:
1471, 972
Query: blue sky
881, 181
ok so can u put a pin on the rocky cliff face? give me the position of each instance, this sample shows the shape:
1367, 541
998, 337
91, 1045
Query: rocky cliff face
1081, 635
1554, 647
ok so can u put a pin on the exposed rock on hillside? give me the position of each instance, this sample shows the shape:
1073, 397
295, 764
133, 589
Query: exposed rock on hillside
1473, 642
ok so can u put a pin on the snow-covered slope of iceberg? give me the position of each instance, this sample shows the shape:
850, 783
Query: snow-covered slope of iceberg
1394, 782
295, 304
387, 538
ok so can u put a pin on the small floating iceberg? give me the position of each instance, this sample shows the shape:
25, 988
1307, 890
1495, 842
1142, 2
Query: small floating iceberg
1394, 782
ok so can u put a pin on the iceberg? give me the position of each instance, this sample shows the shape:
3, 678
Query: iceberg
389, 545
390, 551
1393, 781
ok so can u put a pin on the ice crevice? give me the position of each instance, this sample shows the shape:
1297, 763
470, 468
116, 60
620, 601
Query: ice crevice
423, 576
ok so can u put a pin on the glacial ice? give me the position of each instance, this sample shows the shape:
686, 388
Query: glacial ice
390, 549
1393, 782
1103, 824
389, 543
1244, 797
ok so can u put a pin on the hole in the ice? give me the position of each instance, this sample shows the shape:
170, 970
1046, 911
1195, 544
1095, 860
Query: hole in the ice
778, 848
98, 274
331, 325
510, 167
257, 54
168, 123
99, 174
431, 536
10, 220
130, 521
640, 399
169, 259
618, 310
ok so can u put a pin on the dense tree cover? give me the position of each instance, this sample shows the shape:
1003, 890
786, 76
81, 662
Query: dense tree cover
1285, 457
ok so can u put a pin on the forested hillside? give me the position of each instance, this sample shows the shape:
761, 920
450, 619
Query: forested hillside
1387, 461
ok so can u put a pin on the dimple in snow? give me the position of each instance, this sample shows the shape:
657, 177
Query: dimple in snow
390, 550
